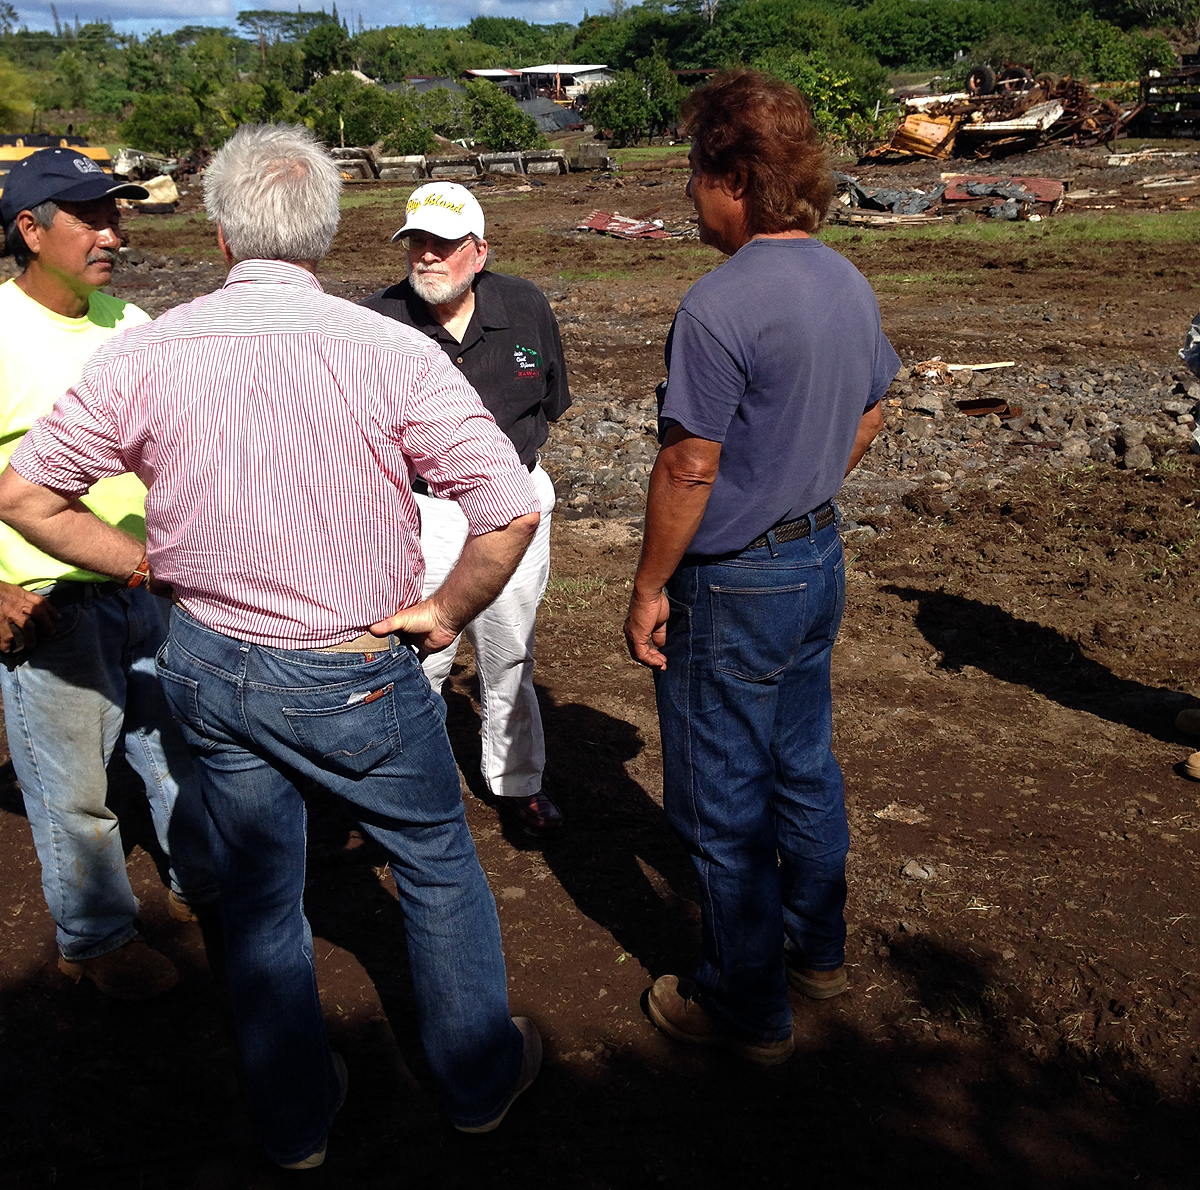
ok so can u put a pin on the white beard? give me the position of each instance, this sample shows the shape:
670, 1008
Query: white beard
436, 289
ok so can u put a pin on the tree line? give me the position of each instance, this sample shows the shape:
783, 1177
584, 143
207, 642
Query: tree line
191, 88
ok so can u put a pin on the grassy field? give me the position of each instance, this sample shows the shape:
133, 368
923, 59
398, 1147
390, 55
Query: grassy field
1157, 227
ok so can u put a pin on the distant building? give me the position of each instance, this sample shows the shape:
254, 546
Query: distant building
565, 81
512, 81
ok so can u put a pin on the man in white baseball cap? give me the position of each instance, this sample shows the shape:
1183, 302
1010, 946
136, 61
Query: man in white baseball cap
502, 335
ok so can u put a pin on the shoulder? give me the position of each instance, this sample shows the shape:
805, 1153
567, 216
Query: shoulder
393, 301
516, 293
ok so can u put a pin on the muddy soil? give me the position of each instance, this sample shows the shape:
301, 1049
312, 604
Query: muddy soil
1024, 1002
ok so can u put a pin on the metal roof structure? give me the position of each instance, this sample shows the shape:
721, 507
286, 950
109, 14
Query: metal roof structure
563, 68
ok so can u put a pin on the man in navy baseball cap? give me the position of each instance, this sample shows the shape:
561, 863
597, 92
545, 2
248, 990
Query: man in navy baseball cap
61, 175
77, 652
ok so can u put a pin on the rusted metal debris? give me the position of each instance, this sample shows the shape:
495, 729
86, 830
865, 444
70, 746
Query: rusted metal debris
1001, 123
623, 227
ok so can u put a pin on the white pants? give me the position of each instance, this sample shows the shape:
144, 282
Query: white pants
514, 748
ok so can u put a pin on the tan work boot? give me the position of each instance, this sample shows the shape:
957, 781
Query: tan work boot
1191, 766
817, 985
685, 1020
131, 972
179, 909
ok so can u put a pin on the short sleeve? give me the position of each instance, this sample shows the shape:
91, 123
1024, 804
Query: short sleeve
705, 384
887, 364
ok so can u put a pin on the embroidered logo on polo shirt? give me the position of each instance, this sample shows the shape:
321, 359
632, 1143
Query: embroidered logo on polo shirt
528, 361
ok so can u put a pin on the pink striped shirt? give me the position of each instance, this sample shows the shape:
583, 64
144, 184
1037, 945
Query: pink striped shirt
276, 429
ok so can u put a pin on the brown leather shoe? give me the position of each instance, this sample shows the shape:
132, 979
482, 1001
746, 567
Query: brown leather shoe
686, 1021
131, 972
817, 985
538, 813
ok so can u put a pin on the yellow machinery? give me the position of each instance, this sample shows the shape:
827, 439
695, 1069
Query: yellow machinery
14, 148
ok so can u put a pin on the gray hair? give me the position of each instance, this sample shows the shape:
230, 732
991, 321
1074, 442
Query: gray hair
14, 242
273, 191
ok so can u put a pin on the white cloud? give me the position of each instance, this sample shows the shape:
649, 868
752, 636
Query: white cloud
140, 16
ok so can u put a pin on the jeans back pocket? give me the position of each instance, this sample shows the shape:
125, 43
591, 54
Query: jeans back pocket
757, 631
350, 739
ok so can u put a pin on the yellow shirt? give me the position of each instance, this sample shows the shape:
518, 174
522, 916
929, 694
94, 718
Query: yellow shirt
41, 356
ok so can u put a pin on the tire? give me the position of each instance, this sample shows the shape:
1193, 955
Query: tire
981, 81
1048, 81
1014, 79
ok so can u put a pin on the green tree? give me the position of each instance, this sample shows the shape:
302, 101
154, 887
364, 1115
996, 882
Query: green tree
155, 64
16, 95
326, 49
8, 18
168, 124
664, 93
495, 119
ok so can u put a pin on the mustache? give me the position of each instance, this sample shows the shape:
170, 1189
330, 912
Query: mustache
107, 255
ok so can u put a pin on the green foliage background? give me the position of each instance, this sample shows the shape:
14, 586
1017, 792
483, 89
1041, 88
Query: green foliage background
177, 91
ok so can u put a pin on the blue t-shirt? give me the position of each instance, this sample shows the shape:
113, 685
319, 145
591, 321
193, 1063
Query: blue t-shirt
776, 354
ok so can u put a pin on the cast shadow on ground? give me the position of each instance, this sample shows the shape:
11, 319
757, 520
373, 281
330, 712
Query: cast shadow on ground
106, 1095
968, 632
617, 857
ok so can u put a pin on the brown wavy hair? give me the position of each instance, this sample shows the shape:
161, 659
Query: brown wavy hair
751, 126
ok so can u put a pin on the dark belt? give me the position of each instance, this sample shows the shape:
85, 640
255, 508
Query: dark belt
66, 594
822, 518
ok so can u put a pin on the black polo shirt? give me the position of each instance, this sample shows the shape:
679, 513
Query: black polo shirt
511, 353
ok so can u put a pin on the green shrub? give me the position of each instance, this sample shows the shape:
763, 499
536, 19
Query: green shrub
443, 111
495, 119
409, 140
341, 110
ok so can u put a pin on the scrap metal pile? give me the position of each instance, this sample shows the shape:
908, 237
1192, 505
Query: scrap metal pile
998, 124
956, 194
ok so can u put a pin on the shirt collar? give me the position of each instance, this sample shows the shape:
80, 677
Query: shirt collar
270, 272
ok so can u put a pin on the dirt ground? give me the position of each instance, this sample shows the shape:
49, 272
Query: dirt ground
1025, 987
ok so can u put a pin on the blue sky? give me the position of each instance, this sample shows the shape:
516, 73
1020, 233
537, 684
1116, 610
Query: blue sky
140, 16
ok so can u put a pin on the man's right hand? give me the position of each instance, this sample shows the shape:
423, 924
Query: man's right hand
23, 616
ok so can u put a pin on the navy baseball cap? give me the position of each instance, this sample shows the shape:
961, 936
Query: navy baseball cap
63, 175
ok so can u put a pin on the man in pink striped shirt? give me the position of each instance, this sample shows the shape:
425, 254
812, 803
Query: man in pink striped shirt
277, 430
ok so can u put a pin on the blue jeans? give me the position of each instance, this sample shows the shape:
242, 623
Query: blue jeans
372, 732
749, 779
67, 703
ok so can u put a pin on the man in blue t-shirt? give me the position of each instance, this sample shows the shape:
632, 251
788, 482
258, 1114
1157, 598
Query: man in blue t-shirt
777, 364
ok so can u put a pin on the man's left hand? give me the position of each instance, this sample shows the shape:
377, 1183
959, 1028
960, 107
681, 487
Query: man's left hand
646, 629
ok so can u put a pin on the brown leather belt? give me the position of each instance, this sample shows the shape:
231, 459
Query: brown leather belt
368, 644
822, 518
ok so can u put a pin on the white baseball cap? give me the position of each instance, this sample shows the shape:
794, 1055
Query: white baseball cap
443, 209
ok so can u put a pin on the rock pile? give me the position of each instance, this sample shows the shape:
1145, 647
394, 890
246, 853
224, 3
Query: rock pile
1134, 416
